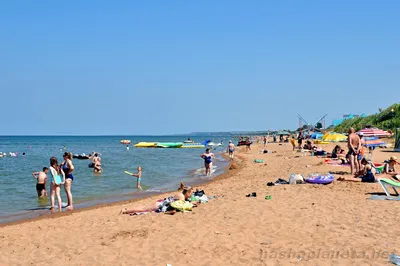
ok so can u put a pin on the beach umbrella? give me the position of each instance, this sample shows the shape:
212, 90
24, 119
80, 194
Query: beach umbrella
373, 132
317, 135
373, 142
334, 137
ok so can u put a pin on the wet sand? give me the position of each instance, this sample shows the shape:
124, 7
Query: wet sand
308, 224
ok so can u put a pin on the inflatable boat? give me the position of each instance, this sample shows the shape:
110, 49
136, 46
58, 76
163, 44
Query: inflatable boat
145, 145
125, 141
81, 156
192, 145
169, 144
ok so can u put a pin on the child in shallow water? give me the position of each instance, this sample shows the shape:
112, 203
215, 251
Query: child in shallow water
139, 177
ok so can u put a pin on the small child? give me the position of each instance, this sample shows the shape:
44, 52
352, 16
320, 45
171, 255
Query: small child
41, 182
139, 177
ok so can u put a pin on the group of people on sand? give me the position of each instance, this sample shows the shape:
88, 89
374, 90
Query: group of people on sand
360, 167
60, 175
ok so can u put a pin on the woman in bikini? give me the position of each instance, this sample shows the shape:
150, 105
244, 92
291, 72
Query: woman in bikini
68, 168
58, 178
183, 193
208, 156
389, 168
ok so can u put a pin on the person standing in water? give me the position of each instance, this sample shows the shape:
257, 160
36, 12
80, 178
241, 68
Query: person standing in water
68, 168
58, 178
354, 144
41, 182
231, 149
139, 178
208, 156
97, 163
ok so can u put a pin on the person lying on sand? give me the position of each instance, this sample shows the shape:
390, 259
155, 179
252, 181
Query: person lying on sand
183, 193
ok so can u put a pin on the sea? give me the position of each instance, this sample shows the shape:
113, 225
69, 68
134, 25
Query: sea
163, 169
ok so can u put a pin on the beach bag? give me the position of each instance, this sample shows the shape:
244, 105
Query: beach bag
181, 205
57, 179
296, 179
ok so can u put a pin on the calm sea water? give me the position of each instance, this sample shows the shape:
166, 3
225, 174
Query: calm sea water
163, 169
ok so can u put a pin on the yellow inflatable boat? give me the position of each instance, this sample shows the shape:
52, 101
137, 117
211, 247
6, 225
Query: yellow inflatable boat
145, 145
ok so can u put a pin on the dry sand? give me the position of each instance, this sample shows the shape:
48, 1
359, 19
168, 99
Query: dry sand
301, 225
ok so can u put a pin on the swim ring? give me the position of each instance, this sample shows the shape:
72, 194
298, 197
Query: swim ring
323, 179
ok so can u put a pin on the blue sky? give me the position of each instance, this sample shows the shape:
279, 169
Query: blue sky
162, 67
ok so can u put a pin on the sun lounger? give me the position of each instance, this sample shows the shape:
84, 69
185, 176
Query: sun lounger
389, 182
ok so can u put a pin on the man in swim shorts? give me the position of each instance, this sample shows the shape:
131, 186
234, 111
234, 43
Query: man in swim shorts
354, 145
41, 182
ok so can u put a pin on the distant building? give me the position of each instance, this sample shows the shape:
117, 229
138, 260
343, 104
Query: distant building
337, 122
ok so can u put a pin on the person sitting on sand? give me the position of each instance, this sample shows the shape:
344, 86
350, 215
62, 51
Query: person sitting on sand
389, 168
336, 151
183, 193
308, 145
366, 177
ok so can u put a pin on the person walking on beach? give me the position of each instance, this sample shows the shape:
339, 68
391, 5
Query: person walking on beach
354, 144
265, 141
300, 139
58, 178
41, 182
68, 168
139, 178
231, 149
207, 156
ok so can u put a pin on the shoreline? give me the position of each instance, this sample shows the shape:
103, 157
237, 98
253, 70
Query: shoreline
290, 226
35, 215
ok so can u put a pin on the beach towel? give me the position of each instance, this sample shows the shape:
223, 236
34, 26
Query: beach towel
181, 205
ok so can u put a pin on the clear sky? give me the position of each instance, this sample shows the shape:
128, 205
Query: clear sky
162, 67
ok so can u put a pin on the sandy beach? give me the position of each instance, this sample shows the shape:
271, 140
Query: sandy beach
308, 224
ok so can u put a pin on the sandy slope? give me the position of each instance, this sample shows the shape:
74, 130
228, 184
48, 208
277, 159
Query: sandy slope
300, 225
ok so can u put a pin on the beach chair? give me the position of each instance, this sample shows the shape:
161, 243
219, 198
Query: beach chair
389, 182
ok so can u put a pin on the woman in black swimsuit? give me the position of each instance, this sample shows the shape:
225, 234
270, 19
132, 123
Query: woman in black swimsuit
68, 168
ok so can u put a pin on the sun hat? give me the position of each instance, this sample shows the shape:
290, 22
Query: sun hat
393, 158
230, 141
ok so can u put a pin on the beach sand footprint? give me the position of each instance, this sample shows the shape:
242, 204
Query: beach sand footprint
142, 233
